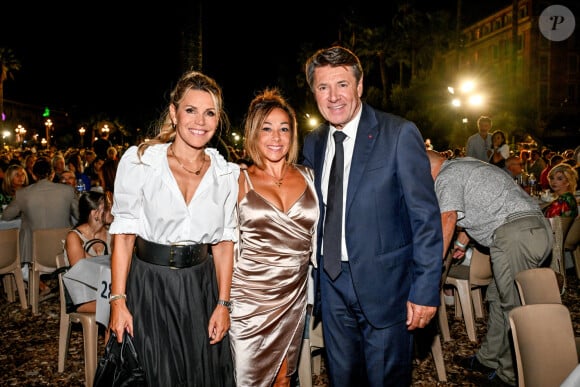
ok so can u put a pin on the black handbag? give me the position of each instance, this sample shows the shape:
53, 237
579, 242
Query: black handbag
119, 366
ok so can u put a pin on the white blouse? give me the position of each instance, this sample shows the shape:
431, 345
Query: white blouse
147, 200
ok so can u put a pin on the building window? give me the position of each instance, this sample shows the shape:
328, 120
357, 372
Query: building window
486, 29
507, 19
522, 12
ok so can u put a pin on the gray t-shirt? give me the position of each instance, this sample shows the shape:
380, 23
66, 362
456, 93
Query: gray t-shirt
477, 147
482, 194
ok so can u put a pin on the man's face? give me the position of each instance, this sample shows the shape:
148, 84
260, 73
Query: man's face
515, 167
337, 94
68, 178
484, 128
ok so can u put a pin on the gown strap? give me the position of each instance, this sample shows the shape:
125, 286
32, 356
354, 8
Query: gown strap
248, 181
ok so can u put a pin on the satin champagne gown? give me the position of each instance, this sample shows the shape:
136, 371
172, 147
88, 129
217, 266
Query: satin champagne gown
269, 284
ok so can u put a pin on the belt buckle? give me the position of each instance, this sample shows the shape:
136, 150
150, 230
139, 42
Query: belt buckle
173, 252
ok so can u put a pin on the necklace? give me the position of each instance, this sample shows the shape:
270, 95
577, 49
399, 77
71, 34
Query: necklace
278, 181
183, 166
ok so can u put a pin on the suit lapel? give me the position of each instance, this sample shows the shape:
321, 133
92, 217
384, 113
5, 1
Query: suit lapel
319, 152
366, 136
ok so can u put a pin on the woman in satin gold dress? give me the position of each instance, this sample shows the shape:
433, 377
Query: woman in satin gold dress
278, 213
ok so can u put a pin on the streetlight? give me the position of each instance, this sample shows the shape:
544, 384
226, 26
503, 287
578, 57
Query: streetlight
19, 134
82, 131
465, 98
311, 120
5, 134
48, 124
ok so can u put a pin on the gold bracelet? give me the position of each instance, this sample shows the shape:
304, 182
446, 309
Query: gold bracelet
115, 297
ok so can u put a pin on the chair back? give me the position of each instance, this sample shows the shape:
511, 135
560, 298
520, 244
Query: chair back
573, 235
90, 329
538, 286
46, 244
480, 269
544, 343
467, 281
9, 249
10, 265
560, 226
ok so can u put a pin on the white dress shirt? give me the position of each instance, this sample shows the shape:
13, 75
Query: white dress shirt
147, 200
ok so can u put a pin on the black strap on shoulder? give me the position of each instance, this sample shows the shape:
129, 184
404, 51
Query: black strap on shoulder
95, 241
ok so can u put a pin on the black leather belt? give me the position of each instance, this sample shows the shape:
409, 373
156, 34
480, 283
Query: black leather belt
177, 256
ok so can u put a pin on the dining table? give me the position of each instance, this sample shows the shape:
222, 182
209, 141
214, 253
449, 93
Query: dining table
89, 280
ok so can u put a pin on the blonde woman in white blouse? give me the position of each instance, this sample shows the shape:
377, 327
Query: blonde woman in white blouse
174, 232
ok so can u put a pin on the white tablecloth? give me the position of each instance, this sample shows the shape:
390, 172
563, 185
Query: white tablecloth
573, 380
89, 280
8, 224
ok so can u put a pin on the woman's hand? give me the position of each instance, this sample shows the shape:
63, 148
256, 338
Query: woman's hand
121, 319
219, 324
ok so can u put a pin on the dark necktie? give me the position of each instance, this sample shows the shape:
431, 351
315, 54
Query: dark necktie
332, 236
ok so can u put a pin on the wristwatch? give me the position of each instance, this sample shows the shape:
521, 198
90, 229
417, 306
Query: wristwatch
227, 304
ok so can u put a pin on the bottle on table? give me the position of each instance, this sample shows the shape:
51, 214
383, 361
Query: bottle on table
532, 182
80, 186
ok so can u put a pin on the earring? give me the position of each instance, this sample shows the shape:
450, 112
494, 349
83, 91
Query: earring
173, 125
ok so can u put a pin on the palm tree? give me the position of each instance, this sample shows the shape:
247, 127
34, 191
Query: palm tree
9, 65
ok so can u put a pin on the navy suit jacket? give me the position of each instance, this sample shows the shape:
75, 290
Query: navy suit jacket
392, 219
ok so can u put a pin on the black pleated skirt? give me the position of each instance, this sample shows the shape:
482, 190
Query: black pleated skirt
171, 310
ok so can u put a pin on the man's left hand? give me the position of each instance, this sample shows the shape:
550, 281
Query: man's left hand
418, 316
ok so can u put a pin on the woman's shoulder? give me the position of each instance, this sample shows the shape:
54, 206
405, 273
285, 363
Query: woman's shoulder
222, 166
306, 171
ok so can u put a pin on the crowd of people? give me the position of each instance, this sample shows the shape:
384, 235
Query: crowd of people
216, 259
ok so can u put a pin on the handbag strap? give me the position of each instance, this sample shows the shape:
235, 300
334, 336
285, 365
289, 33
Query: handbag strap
90, 243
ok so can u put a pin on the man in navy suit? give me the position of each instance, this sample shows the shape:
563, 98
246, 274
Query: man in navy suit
392, 247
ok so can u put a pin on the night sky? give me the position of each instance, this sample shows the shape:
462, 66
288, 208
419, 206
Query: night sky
94, 57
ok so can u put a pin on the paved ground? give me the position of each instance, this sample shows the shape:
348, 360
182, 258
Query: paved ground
29, 346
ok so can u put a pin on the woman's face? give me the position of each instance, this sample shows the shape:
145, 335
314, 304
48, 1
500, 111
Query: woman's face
275, 135
19, 179
559, 183
196, 118
497, 140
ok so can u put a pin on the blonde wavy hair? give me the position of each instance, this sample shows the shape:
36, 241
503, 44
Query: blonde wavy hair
568, 171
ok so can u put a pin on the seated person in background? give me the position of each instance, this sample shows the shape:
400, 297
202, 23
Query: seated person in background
107, 176
15, 178
58, 165
514, 166
544, 181
75, 164
93, 171
90, 237
68, 177
43, 204
563, 179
